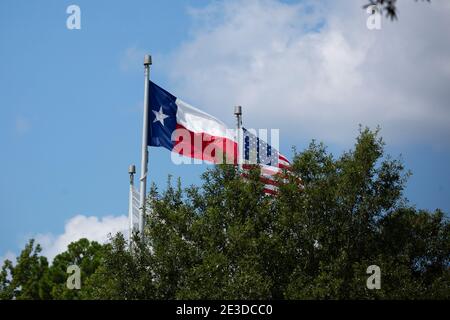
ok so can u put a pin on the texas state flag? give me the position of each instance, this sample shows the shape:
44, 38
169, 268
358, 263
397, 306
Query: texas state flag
188, 131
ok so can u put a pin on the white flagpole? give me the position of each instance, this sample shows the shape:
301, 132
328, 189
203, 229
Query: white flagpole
131, 171
238, 114
144, 158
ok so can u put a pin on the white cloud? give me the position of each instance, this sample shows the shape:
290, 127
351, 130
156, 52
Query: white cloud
11, 256
315, 70
80, 226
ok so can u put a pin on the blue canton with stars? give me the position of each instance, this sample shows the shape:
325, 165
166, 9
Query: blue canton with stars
162, 117
257, 151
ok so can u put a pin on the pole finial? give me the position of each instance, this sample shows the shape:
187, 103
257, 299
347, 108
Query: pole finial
238, 110
147, 60
132, 171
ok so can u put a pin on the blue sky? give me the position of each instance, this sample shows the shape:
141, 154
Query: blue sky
71, 100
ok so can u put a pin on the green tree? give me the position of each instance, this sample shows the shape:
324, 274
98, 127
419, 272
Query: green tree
6, 290
124, 274
28, 278
33, 279
226, 239
86, 255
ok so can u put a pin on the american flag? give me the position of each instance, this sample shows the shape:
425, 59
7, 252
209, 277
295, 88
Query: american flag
258, 152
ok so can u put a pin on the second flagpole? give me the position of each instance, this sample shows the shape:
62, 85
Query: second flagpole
239, 136
144, 155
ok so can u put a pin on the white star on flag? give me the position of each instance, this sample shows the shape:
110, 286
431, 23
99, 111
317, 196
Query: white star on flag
160, 116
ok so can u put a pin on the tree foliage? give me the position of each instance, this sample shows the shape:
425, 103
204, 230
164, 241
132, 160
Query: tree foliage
225, 239
31, 277
28, 279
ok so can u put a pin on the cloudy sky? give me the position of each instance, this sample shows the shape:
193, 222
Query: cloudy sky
71, 100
